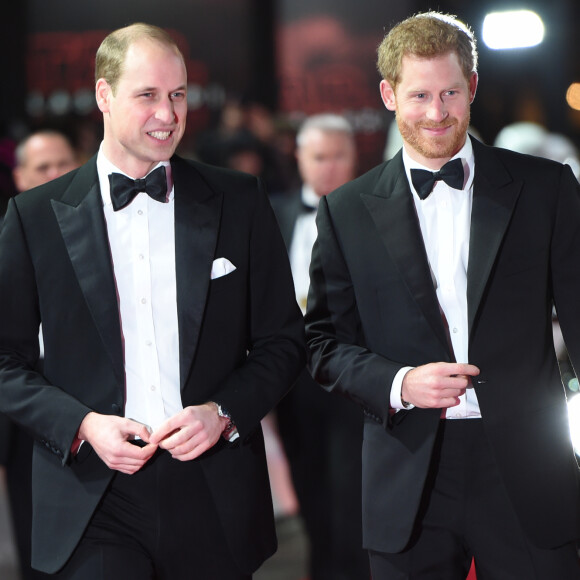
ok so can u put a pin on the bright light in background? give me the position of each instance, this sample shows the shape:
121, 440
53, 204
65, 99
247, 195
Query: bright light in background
573, 96
574, 416
512, 29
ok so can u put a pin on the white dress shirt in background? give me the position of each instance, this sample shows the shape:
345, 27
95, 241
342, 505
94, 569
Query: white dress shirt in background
303, 238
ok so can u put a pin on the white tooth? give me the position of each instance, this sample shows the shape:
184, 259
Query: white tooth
160, 134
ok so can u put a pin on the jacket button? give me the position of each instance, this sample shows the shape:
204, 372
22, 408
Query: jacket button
116, 409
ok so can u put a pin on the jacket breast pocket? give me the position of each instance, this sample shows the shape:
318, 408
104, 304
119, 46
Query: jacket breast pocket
225, 282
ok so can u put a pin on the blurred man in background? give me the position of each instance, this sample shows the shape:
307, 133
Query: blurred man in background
42, 156
322, 433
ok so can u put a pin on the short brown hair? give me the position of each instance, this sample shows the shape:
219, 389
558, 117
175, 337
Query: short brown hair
426, 35
111, 54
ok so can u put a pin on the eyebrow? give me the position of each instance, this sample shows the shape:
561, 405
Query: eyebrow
152, 89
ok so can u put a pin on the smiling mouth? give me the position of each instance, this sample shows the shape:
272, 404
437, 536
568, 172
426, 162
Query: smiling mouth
160, 135
438, 127
435, 127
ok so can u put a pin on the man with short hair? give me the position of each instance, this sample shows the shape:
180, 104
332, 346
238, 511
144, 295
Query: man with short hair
432, 284
42, 156
170, 329
327, 158
322, 433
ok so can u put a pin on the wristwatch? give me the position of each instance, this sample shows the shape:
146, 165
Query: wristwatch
230, 430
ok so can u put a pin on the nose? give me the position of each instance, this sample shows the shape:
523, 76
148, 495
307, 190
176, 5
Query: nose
53, 173
165, 111
437, 111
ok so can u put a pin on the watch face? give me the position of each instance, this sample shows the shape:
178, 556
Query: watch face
222, 412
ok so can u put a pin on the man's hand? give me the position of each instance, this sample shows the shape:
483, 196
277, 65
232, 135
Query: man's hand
190, 432
437, 385
109, 436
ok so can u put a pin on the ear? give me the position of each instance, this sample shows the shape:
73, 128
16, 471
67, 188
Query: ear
388, 95
472, 86
103, 93
19, 181
299, 156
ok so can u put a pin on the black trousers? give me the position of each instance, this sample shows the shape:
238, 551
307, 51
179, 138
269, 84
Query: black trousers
158, 524
467, 514
322, 437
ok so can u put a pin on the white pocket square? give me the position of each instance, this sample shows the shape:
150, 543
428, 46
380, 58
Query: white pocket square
221, 267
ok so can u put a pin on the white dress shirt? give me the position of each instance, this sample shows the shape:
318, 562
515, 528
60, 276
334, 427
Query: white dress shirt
142, 242
303, 238
445, 221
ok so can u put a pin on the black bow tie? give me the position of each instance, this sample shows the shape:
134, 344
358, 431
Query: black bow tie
124, 189
451, 173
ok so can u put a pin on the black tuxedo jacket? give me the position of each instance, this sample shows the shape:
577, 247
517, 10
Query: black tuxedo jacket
240, 341
372, 309
288, 207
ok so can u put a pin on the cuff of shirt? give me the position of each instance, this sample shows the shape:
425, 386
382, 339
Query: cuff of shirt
230, 433
395, 400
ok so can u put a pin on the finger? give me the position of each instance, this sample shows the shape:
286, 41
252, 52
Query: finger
467, 370
172, 439
132, 460
196, 444
466, 381
148, 452
454, 401
165, 430
128, 469
143, 432
184, 441
458, 382
452, 391
138, 426
124, 464
133, 454
194, 453
158, 435
187, 456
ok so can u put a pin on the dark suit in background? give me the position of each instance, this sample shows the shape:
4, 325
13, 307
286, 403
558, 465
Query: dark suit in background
322, 437
321, 432
40, 157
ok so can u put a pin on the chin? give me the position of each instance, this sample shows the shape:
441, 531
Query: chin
440, 149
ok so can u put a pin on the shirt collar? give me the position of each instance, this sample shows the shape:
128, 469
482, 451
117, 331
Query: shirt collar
309, 197
465, 154
105, 168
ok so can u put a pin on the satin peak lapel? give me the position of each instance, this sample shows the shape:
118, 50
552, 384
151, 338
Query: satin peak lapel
393, 212
80, 217
197, 218
494, 197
